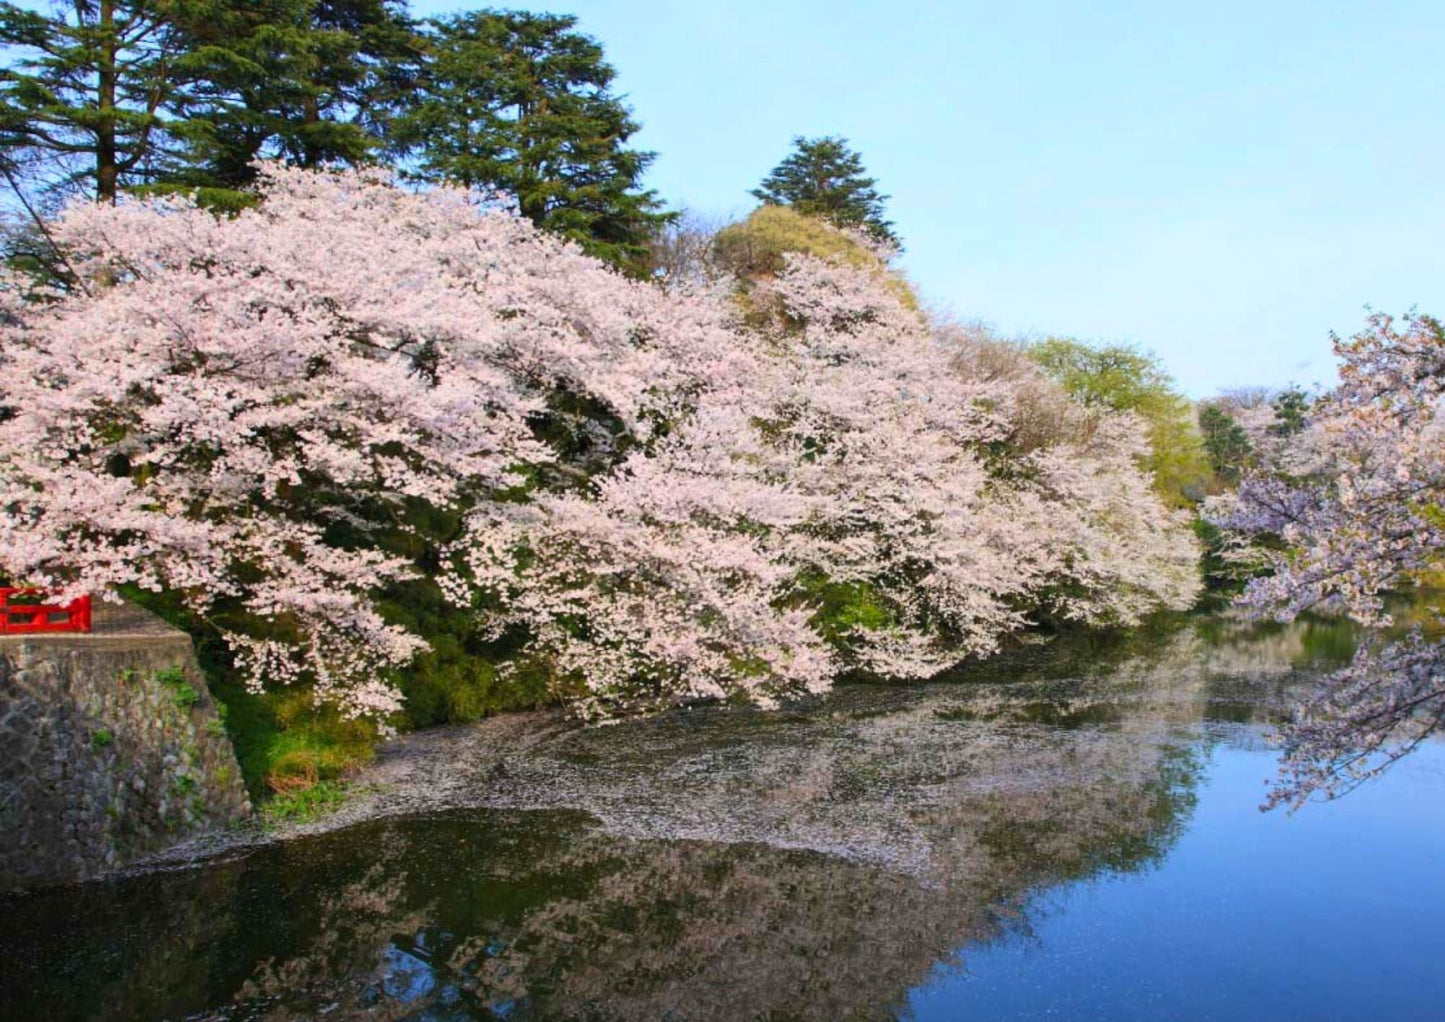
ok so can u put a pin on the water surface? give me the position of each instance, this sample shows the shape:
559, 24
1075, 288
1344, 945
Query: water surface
1071, 832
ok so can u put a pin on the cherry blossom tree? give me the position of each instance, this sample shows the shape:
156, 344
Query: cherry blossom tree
842, 507
1356, 509
225, 404
669, 495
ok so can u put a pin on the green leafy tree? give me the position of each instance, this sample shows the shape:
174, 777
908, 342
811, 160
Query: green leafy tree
822, 177
1226, 442
523, 103
83, 91
1124, 379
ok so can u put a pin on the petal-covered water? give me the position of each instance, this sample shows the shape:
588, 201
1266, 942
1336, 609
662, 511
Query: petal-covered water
1070, 832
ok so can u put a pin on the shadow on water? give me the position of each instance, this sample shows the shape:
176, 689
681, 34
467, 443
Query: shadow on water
812, 864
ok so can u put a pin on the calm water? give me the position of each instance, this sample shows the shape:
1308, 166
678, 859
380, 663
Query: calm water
1071, 834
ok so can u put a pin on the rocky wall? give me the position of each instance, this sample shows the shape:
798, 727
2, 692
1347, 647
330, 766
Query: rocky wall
111, 747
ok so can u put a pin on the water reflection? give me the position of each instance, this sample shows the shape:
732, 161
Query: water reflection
812, 864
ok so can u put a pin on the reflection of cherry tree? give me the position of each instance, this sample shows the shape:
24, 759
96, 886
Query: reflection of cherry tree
808, 864
351, 923
814, 865
687, 929
1367, 518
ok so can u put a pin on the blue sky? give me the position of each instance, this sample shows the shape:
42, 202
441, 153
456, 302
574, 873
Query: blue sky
1223, 183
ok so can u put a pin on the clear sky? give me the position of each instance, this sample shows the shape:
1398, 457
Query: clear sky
1222, 182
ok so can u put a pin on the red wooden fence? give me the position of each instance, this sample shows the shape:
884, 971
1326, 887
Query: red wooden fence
30, 616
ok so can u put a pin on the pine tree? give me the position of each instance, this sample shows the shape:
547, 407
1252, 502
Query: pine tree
1291, 411
313, 82
822, 177
1226, 442
522, 103
83, 91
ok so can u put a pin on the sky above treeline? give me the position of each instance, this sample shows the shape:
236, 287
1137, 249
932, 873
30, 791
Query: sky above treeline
1221, 183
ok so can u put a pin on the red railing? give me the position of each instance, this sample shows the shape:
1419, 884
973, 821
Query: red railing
30, 616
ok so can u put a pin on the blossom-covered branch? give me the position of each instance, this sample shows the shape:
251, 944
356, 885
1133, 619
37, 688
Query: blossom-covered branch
1356, 507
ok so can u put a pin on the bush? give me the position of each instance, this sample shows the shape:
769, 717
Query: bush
755, 248
1121, 378
305, 804
284, 744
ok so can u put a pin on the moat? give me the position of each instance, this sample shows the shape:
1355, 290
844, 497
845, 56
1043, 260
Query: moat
1071, 831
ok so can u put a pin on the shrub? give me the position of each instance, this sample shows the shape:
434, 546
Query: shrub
304, 804
757, 248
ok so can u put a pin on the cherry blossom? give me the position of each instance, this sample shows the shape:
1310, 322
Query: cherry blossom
735, 493
1354, 514
853, 454
225, 394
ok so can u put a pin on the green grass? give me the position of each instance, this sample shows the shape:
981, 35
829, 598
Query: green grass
284, 744
182, 691
305, 805
100, 739
171, 676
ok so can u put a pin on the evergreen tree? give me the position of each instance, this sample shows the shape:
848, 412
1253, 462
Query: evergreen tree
822, 177
310, 81
1291, 407
522, 103
84, 88
1226, 442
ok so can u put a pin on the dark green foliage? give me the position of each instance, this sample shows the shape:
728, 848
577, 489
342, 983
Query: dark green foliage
1226, 443
161, 96
822, 177
84, 89
101, 738
186, 696
840, 609
522, 103
461, 677
311, 82
1223, 578
184, 95
843, 607
1291, 407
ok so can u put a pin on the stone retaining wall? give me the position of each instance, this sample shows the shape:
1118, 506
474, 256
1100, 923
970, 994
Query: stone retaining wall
110, 748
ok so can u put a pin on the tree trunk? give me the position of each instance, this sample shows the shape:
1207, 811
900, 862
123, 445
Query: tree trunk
107, 170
